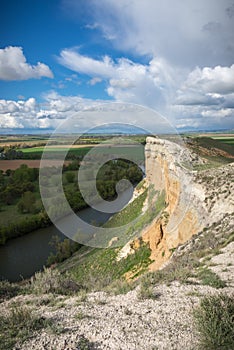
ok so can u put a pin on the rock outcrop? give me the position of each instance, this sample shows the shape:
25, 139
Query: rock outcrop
169, 167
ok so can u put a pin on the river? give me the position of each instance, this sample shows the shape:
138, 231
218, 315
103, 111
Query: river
21, 257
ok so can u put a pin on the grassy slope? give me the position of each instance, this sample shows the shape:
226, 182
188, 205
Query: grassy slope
210, 143
216, 151
96, 268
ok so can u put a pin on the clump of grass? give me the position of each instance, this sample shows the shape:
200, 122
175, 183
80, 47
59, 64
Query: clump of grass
85, 344
210, 278
120, 286
82, 296
214, 322
147, 292
17, 326
8, 290
194, 294
52, 281
167, 275
81, 315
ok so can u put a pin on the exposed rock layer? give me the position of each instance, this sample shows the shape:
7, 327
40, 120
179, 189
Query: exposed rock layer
187, 208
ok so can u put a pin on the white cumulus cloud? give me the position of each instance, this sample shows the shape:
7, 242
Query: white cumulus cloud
149, 84
13, 66
219, 80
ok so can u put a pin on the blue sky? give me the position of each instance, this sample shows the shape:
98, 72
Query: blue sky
59, 57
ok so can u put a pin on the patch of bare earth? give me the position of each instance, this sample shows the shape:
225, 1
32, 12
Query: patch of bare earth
34, 163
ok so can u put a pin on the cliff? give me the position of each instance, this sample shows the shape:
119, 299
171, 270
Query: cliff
169, 167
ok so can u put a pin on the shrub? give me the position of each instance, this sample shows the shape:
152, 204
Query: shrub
120, 286
169, 274
214, 321
210, 278
85, 344
8, 290
63, 250
147, 292
70, 177
52, 281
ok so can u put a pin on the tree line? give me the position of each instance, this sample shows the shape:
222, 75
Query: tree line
20, 188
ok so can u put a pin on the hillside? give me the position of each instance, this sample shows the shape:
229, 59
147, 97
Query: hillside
142, 295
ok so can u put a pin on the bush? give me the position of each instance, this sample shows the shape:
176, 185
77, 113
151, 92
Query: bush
70, 177
120, 286
27, 203
85, 344
8, 290
63, 250
147, 292
210, 278
52, 281
214, 320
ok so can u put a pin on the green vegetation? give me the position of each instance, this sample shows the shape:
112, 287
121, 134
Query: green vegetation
215, 322
211, 143
210, 278
54, 153
129, 213
17, 325
114, 171
223, 139
20, 200
85, 344
141, 185
176, 272
147, 292
52, 281
9, 290
63, 250
216, 151
20, 197
129, 222
99, 268
27, 203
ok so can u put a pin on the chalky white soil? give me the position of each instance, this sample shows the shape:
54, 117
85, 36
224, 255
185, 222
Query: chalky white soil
124, 322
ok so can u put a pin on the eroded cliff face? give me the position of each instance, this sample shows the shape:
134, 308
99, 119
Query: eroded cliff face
185, 212
193, 199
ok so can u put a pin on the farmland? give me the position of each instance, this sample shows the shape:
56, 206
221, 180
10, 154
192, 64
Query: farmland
55, 152
229, 140
31, 163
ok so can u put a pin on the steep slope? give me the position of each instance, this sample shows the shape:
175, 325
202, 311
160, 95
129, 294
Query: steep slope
193, 199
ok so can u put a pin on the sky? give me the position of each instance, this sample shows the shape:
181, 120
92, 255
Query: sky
60, 57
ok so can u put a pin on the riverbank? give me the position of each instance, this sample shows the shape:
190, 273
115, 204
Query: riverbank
21, 257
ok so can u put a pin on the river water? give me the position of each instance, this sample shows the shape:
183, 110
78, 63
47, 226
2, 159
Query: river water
21, 257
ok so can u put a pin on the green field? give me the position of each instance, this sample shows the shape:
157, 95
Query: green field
227, 140
54, 152
123, 151
55, 149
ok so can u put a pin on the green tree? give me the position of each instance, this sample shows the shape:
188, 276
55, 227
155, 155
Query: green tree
70, 176
27, 203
